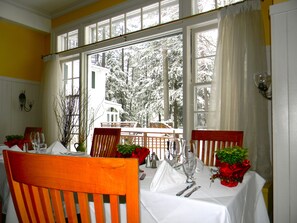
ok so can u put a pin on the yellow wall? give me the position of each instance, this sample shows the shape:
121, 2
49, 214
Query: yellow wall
21, 51
85, 11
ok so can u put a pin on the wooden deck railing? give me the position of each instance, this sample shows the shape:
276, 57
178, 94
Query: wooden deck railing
155, 139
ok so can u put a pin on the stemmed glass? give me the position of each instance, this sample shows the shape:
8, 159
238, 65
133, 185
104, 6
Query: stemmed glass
189, 161
38, 142
34, 137
174, 151
189, 166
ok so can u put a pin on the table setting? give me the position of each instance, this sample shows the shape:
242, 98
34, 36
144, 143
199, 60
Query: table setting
177, 189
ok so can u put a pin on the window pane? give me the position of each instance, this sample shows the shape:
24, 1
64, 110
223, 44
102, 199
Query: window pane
62, 42
75, 68
206, 43
222, 3
200, 120
202, 95
203, 6
204, 72
133, 20
68, 87
169, 10
90, 34
103, 30
73, 39
117, 26
151, 15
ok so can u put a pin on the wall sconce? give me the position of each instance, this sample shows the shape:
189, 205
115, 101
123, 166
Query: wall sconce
23, 104
263, 83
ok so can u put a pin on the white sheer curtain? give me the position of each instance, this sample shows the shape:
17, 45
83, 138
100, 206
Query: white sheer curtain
50, 85
235, 101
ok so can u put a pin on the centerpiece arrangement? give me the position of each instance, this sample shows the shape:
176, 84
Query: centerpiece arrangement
128, 150
232, 164
12, 140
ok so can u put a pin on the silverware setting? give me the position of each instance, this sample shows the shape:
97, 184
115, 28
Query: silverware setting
142, 176
192, 191
188, 187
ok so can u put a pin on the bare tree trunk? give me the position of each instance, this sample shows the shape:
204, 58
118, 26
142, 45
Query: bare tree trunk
165, 85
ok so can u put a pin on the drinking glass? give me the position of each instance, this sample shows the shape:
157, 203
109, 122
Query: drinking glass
189, 165
34, 140
174, 151
42, 145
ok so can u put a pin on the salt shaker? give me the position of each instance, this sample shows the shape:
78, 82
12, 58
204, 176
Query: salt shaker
154, 160
148, 161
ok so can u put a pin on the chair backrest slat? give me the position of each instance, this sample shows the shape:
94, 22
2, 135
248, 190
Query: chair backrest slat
209, 141
43, 187
105, 141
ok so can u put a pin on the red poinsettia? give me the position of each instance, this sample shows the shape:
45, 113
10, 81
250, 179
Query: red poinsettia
133, 151
232, 164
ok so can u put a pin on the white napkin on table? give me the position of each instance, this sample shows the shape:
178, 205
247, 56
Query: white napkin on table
56, 148
14, 148
166, 177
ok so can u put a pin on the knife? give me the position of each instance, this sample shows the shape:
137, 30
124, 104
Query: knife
192, 191
188, 187
142, 176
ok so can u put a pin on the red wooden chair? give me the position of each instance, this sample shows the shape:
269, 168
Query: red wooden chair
44, 187
208, 141
105, 141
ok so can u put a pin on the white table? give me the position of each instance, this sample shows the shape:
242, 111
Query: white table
215, 204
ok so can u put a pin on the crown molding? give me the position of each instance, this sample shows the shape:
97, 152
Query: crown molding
22, 16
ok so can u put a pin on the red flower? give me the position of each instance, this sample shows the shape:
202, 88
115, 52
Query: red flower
140, 153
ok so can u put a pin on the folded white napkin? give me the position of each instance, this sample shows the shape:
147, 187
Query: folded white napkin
14, 148
56, 148
166, 177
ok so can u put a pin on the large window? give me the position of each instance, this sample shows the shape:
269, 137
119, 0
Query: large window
204, 42
133, 77
142, 18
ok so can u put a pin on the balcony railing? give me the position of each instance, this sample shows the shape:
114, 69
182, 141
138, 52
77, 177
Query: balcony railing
155, 139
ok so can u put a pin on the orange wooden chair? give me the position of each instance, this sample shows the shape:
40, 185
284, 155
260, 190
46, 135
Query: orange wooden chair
105, 141
48, 188
27, 133
208, 141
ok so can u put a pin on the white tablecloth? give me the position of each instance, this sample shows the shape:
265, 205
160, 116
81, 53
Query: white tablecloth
215, 204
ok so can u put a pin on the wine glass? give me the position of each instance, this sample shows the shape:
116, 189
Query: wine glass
34, 140
189, 165
42, 145
174, 151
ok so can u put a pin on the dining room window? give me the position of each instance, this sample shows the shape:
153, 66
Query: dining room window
134, 78
162, 11
204, 51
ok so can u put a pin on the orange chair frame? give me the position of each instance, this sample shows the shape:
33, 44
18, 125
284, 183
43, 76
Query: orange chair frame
44, 186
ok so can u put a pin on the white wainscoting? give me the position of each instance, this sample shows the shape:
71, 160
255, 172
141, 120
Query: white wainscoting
12, 119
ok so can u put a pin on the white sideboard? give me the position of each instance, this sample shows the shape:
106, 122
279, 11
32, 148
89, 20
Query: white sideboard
284, 110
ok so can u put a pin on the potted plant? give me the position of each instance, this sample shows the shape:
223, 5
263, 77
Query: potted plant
232, 164
129, 150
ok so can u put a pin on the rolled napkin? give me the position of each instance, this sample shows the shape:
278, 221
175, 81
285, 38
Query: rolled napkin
56, 148
166, 177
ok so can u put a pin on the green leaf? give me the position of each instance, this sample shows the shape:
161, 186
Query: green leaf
232, 155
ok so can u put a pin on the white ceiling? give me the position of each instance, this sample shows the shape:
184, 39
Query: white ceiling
49, 8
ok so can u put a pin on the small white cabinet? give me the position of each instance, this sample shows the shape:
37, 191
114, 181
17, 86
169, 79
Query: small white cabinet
284, 110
